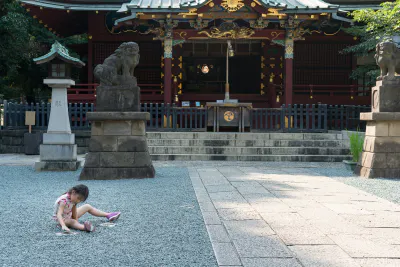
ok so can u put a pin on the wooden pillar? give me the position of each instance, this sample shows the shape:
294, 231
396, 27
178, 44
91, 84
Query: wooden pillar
90, 48
167, 71
90, 61
289, 52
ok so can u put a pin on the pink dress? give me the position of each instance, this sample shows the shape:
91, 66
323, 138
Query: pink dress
67, 214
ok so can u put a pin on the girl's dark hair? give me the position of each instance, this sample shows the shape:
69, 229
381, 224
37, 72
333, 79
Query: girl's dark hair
80, 189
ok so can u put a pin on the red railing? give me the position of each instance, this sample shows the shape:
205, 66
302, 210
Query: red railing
302, 94
86, 93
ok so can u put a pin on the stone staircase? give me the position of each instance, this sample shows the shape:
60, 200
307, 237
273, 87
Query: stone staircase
302, 147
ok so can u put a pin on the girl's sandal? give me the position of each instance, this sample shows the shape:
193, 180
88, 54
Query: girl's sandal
89, 227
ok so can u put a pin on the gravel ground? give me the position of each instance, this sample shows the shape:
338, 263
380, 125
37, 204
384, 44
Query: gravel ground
161, 223
385, 188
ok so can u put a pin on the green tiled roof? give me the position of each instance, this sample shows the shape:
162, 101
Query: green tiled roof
58, 50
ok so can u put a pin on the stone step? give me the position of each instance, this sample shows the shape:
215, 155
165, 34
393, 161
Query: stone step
245, 143
243, 136
248, 150
298, 158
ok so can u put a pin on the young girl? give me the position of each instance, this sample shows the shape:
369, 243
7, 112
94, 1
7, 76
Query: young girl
67, 214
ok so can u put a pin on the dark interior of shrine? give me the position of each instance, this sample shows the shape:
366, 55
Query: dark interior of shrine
204, 67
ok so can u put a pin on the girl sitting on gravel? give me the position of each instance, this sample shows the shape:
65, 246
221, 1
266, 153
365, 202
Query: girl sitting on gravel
67, 214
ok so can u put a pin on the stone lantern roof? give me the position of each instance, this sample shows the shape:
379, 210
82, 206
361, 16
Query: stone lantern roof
60, 52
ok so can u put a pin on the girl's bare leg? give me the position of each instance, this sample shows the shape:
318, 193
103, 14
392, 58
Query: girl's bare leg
88, 208
71, 223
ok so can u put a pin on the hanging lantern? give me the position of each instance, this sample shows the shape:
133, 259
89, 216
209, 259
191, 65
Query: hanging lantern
205, 69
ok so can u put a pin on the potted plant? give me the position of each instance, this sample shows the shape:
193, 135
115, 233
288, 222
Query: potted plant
356, 147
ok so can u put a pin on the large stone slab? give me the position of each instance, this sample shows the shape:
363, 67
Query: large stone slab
118, 98
58, 152
58, 138
57, 165
262, 246
323, 255
116, 173
386, 96
270, 262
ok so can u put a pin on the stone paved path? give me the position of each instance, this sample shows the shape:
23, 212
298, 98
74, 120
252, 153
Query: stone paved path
259, 216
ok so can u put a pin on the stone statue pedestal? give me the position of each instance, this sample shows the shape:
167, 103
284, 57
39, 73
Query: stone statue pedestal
381, 151
118, 147
118, 98
58, 151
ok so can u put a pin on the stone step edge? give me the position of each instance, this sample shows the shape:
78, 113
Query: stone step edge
258, 158
221, 155
253, 147
199, 139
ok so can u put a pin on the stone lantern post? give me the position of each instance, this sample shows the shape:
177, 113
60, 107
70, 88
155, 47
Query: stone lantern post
58, 151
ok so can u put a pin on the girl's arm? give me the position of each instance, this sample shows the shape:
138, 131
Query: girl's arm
74, 213
59, 216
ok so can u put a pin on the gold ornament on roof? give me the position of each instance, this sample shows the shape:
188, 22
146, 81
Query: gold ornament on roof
232, 5
229, 30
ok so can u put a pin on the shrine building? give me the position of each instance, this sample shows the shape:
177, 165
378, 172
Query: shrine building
263, 52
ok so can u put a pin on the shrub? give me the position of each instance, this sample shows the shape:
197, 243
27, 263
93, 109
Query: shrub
356, 144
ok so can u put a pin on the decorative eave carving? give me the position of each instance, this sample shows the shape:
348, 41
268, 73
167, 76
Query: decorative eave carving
165, 30
230, 31
199, 23
294, 31
260, 23
232, 5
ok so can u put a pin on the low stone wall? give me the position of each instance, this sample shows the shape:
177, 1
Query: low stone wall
12, 141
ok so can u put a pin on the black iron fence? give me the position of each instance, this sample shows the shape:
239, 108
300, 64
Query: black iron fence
291, 118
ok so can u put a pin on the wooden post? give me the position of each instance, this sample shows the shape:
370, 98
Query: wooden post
167, 80
90, 61
90, 48
289, 55
167, 71
288, 81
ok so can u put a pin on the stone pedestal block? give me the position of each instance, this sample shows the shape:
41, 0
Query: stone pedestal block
58, 152
118, 147
32, 143
381, 151
57, 165
386, 95
118, 98
58, 138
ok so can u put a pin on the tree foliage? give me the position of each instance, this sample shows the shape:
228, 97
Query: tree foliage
23, 38
373, 27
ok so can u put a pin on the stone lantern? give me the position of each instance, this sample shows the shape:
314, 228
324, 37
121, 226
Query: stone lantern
58, 151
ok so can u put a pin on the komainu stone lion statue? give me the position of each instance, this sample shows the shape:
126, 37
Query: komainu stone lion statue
388, 59
118, 68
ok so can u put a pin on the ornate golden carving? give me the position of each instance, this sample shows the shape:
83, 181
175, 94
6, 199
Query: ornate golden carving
276, 35
229, 30
199, 23
232, 5
260, 23
182, 35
